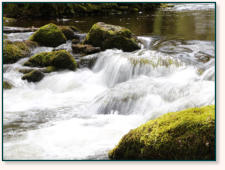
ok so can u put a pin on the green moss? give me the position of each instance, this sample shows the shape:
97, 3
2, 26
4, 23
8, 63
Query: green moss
49, 69
59, 59
110, 36
33, 76
67, 31
182, 135
13, 51
49, 35
7, 85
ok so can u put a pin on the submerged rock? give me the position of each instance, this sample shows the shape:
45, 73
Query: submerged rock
7, 85
87, 61
111, 36
85, 49
33, 76
183, 135
13, 51
49, 35
59, 59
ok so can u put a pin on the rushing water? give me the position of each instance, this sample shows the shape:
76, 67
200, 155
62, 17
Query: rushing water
84, 114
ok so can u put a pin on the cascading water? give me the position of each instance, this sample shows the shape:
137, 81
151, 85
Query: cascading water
83, 114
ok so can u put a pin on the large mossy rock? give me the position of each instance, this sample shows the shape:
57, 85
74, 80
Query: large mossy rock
33, 76
49, 35
13, 51
183, 135
111, 36
7, 85
58, 59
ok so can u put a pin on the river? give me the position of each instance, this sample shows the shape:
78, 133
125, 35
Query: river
81, 115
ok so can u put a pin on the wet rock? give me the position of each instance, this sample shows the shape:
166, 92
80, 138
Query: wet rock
13, 51
7, 85
182, 135
60, 59
87, 61
75, 41
203, 57
33, 76
85, 49
67, 31
25, 71
108, 36
49, 35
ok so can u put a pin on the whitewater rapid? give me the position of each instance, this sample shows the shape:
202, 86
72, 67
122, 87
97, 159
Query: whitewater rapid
84, 114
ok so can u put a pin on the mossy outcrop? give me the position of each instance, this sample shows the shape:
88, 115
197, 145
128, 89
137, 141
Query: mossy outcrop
13, 51
58, 59
49, 35
33, 76
108, 36
7, 85
183, 135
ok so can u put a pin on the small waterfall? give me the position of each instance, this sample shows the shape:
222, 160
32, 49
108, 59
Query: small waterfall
83, 114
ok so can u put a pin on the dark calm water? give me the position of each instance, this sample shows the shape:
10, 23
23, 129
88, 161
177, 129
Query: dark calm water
188, 22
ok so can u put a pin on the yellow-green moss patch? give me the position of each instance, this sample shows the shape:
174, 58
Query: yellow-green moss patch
182, 135
49, 35
58, 59
111, 36
13, 51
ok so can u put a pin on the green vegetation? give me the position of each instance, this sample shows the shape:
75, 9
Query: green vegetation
108, 36
59, 59
182, 135
13, 51
7, 85
33, 76
49, 35
53, 10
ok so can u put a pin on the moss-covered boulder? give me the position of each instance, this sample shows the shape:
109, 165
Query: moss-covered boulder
13, 51
59, 59
111, 36
67, 31
183, 135
7, 85
33, 76
49, 35
85, 49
